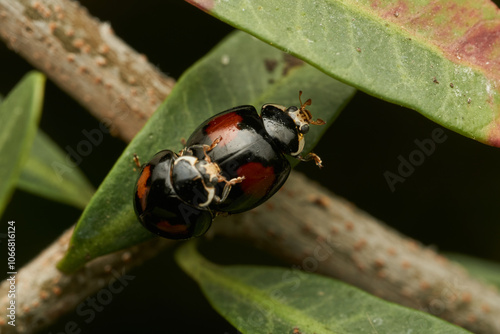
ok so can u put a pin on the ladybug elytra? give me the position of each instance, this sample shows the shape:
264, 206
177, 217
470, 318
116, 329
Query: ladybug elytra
233, 162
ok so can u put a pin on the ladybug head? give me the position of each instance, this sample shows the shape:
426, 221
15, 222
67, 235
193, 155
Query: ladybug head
287, 126
302, 117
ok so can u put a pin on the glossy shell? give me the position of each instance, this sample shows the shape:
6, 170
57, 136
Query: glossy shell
158, 207
245, 149
281, 128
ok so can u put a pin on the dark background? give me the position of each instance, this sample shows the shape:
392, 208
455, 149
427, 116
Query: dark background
450, 202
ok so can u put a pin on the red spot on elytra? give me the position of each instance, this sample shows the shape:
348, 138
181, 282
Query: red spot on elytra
142, 187
167, 227
225, 126
258, 179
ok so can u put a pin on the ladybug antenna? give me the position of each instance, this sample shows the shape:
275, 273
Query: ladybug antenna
305, 104
307, 112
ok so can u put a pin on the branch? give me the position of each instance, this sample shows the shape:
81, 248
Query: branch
85, 59
45, 294
303, 223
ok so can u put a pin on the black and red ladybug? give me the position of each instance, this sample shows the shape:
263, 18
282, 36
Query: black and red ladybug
233, 162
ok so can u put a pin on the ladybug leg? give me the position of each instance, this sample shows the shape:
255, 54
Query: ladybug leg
311, 156
225, 193
207, 148
227, 187
185, 150
211, 196
136, 160
214, 143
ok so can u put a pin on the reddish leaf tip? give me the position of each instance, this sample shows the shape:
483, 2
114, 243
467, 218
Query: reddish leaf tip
468, 34
204, 5
493, 138
479, 47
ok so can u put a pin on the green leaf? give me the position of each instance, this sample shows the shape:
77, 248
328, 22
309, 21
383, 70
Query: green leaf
241, 70
437, 57
487, 271
50, 173
277, 300
19, 116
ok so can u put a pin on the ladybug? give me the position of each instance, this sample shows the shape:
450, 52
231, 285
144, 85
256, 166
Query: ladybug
233, 162
173, 191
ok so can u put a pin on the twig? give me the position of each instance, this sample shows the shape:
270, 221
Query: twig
45, 294
85, 59
310, 227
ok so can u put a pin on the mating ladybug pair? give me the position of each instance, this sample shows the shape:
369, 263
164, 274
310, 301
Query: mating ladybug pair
232, 163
